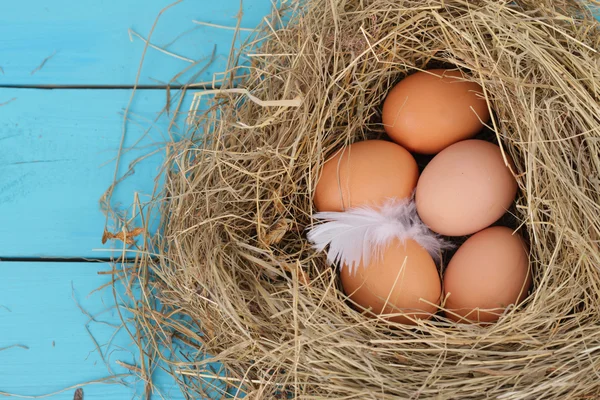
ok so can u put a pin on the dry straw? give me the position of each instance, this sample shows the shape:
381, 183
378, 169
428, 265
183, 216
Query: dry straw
232, 274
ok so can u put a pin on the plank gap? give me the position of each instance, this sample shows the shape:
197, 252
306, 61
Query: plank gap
109, 87
67, 259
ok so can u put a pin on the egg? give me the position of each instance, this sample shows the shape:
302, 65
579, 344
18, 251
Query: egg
366, 173
403, 280
490, 271
428, 111
465, 188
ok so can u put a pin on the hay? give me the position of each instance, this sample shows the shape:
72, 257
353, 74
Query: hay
234, 276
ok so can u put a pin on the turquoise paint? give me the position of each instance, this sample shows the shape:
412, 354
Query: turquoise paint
89, 44
57, 161
68, 334
39, 309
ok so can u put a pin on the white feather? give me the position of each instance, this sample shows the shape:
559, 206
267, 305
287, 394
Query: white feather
361, 233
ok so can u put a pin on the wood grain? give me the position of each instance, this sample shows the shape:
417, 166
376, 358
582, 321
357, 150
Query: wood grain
46, 308
58, 158
94, 42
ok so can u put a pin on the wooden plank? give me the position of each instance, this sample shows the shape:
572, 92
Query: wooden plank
87, 42
39, 310
57, 160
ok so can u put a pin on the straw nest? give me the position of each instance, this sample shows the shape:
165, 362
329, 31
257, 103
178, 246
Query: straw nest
235, 277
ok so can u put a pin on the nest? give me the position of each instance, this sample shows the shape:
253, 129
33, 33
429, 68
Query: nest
233, 276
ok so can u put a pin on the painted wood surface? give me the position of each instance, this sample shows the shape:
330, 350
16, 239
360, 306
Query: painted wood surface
94, 42
49, 343
58, 158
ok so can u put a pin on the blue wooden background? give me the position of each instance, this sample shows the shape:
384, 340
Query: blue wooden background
67, 69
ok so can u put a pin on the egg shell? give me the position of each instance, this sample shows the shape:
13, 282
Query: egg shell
465, 188
428, 111
488, 272
396, 282
366, 173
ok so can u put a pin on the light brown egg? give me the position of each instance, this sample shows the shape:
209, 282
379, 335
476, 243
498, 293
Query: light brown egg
404, 280
465, 188
489, 272
366, 173
428, 111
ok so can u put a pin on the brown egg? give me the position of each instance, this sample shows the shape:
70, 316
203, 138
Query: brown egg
465, 188
397, 282
428, 111
489, 272
366, 173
